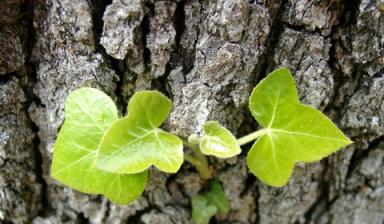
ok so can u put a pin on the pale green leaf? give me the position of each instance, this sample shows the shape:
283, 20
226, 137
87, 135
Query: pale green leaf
293, 132
135, 142
88, 114
218, 141
202, 212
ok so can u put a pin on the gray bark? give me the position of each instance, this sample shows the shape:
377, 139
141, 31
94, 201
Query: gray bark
207, 56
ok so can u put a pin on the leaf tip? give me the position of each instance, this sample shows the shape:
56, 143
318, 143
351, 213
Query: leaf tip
283, 69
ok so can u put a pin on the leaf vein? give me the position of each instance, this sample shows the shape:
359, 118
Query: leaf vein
306, 134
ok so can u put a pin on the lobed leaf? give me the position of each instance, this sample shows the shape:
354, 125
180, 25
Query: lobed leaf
88, 114
202, 212
218, 141
134, 143
293, 132
215, 196
209, 203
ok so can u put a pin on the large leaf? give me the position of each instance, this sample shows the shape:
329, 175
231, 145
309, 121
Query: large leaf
134, 143
293, 131
88, 114
218, 141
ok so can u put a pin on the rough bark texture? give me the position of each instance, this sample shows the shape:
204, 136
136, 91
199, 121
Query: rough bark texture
206, 56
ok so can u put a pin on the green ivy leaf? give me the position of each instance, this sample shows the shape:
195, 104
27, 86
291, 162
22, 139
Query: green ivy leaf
211, 202
202, 212
218, 141
134, 143
293, 132
88, 114
216, 196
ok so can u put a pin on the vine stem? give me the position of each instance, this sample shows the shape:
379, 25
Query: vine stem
186, 143
197, 158
251, 137
201, 166
200, 161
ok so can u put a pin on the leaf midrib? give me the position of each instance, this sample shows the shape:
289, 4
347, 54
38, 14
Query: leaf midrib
277, 167
95, 123
306, 135
274, 110
75, 162
122, 148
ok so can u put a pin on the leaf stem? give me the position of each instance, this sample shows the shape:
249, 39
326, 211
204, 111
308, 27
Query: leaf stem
251, 137
197, 158
201, 167
186, 143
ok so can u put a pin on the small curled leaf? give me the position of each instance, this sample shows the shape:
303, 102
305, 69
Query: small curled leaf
134, 143
218, 141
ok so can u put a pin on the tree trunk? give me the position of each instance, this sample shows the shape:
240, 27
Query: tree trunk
206, 55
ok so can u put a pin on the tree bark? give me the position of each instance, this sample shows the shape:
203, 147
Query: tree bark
206, 55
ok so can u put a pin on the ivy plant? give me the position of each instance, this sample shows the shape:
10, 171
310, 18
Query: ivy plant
210, 202
97, 152
88, 114
135, 142
292, 132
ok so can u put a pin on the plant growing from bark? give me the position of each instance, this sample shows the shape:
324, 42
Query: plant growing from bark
97, 152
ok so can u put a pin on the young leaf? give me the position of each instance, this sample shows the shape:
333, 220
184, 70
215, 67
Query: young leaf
218, 141
293, 131
88, 113
215, 196
202, 212
134, 143
209, 203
